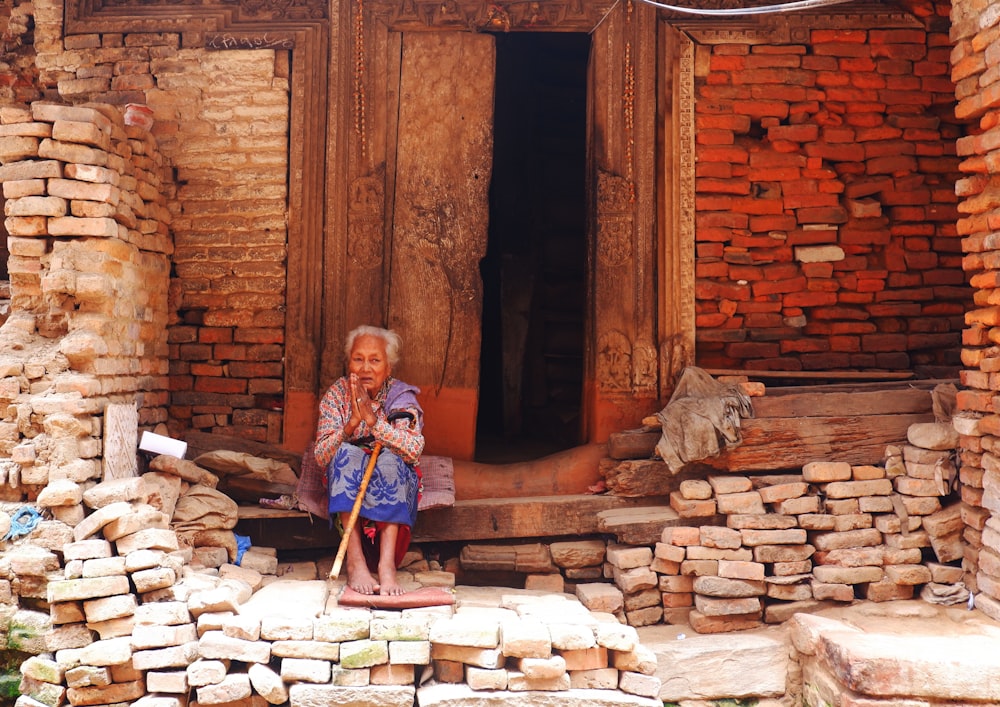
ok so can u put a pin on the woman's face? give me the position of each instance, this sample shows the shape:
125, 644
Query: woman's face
369, 362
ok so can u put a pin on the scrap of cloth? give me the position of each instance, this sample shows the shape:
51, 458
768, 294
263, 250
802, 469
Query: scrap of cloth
701, 419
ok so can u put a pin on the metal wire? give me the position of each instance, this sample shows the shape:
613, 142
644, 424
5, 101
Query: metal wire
739, 11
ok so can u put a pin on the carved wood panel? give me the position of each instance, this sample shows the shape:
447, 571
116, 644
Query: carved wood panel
441, 211
622, 356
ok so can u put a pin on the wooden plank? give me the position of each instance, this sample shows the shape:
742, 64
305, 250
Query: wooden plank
854, 387
790, 443
635, 478
814, 375
875, 402
244, 489
781, 404
644, 526
536, 517
258, 513
775, 444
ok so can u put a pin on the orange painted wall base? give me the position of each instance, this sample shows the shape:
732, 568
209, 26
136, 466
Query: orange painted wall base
301, 415
609, 413
449, 421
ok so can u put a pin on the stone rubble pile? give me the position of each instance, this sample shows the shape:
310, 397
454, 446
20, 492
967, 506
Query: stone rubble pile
141, 609
833, 533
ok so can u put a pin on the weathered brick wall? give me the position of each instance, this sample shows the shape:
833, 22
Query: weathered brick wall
89, 267
17, 85
221, 121
825, 204
975, 61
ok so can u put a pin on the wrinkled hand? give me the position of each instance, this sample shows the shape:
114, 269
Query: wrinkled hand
361, 404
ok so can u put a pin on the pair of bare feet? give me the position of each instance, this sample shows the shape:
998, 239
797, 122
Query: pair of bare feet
364, 582
359, 578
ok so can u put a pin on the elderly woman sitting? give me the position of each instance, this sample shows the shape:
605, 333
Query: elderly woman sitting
365, 407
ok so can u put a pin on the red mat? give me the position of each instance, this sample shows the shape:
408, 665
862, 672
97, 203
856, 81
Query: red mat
425, 596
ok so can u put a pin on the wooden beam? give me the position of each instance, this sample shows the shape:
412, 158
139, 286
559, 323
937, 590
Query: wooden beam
489, 519
775, 444
815, 375
644, 526
781, 407
534, 517
842, 404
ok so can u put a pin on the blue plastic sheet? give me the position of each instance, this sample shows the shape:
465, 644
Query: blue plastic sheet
23, 522
242, 545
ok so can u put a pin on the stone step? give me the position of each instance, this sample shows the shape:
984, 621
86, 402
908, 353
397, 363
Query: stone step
889, 668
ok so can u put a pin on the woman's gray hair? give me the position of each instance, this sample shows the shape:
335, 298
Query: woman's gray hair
393, 343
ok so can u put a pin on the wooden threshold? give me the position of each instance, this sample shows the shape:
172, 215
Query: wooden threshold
482, 519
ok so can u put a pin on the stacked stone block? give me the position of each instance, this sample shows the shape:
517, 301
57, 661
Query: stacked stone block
548, 643
833, 533
979, 478
207, 639
631, 571
973, 69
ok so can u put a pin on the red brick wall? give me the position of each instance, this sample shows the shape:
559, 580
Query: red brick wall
826, 207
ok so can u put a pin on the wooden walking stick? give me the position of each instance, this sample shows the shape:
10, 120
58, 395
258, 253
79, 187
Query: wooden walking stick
355, 510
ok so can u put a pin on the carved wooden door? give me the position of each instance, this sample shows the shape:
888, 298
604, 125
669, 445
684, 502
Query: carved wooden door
409, 166
439, 220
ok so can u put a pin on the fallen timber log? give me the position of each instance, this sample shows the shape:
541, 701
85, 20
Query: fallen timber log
790, 428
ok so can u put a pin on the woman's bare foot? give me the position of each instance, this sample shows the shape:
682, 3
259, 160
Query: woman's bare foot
389, 582
360, 579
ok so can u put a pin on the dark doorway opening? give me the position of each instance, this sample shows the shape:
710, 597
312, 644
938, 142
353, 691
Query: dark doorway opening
534, 272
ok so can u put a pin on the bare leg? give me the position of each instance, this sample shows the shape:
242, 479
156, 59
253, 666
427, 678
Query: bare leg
358, 577
387, 561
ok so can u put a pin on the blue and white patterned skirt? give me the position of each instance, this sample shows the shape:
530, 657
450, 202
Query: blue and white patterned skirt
392, 491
